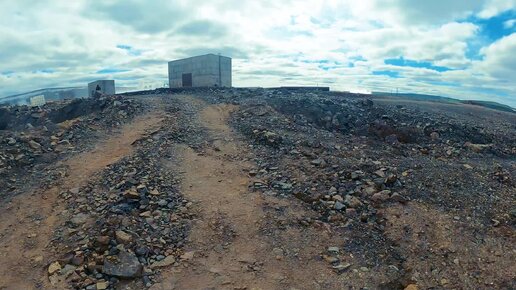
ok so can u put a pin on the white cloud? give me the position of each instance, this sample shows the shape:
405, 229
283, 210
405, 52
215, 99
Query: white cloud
273, 42
494, 7
509, 23
499, 61
429, 12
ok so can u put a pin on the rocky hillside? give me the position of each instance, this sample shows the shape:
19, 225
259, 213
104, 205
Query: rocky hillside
256, 189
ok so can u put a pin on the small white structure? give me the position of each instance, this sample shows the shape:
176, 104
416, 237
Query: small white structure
106, 87
208, 70
37, 101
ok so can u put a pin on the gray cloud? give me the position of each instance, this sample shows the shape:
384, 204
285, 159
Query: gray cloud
141, 15
230, 51
207, 28
272, 42
431, 12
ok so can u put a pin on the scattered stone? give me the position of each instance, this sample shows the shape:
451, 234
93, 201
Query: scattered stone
396, 197
103, 240
187, 256
339, 206
34, 145
132, 194
318, 162
340, 268
79, 219
477, 148
102, 285
331, 259
167, 261
123, 237
333, 250
54, 267
154, 192
123, 265
380, 196
352, 201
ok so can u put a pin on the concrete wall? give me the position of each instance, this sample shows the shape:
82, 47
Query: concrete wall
205, 70
106, 87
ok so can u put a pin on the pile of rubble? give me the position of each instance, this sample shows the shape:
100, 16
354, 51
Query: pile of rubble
34, 137
354, 161
353, 155
128, 222
368, 170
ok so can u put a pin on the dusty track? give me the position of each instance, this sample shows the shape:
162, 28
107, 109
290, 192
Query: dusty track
238, 240
27, 222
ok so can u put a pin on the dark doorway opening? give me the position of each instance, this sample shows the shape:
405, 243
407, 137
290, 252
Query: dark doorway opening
187, 80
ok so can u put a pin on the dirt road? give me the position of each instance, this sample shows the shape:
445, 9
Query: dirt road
28, 221
202, 193
239, 239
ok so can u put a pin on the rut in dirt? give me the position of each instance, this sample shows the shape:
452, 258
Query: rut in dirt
31, 218
238, 240
263, 189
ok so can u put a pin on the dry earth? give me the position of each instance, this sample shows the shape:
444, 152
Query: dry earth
30, 218
239, 192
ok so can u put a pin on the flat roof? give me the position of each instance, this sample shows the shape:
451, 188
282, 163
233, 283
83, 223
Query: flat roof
101, 81
200, 56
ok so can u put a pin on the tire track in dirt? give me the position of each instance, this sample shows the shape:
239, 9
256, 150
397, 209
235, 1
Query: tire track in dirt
229, 241
28, 221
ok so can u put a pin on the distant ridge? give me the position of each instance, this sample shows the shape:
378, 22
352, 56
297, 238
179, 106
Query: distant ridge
433, 98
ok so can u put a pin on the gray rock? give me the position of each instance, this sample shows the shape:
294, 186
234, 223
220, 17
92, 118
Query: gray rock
285, 186
34, 145
333, 250
352, 201
341, 267
393, 139
339, 206
124, 265
398, 198
79, 219
318, 162
164, 263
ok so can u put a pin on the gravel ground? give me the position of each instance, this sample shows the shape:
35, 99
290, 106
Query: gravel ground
415, 194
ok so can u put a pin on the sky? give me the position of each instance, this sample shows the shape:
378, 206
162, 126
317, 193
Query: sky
459, 48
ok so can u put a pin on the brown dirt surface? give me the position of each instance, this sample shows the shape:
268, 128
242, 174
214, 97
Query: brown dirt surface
28, 220
223, 188
233, 241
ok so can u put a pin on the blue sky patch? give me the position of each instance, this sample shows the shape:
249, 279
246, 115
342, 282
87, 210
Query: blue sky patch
112, 70
129, 49
389, 73
43, 71
319, 61
490, 30
495, 27
414, 63
357, 58
444, 83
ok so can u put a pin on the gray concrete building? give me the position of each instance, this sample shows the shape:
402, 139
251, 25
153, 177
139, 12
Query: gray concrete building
208, 70
103, 86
